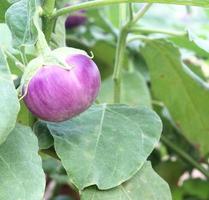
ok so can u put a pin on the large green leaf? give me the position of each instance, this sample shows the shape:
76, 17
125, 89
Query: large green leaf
186, 99
9, 105
134, 90
107, 144
145, 185
21, 174
19, 18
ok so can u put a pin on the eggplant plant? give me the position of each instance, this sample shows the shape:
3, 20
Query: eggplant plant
104, 100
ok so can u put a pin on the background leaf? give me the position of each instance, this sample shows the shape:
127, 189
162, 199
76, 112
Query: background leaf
45, 139
5, 36
200, 42
19, 18
9, 105
196, 188
112, 141
186, 100
134, 90
4, 6
145, 185
59, 36
105, 63
21, 174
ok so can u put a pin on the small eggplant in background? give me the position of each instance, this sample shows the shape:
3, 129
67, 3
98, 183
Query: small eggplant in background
76, 19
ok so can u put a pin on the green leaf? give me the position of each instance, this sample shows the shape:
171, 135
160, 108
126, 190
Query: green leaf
19, 18
197, 188
9, 105
105, 63
4, 6
59, 35
200, 42
186, 43
24, 115
186, 99
107, 144
100, 18
145, 185
45, 139
164, 169
134, 90
112, 13
5, 36
21, 174
193, 42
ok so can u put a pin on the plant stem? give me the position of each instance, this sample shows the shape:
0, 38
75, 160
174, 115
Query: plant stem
23, 55
90, 5
131, 12
119, 61
120, 51
100, 3
50, 190
185, 156
48, 7
51, 152
31, 119
189, 9
141, 13
48, 21
138, 30
19, 65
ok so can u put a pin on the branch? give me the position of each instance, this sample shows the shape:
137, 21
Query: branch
100, 3
139, 30
185, 156
48, 21
141, 13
